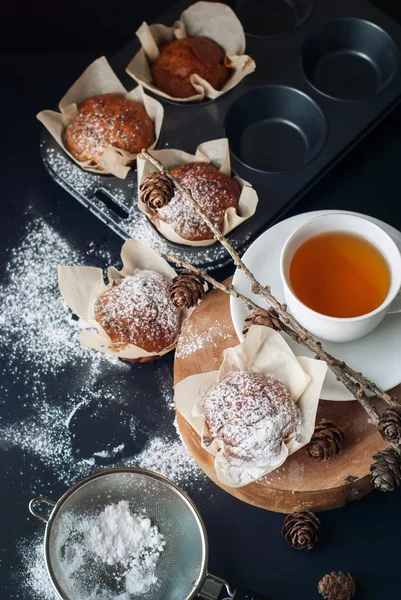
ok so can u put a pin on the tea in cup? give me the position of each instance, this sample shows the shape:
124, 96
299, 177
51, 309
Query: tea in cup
341, 274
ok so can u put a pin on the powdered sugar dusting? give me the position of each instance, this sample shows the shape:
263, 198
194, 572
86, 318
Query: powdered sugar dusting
71, 410
171, 459
213, 190
35, 322
201, 334
109, 120
252, 414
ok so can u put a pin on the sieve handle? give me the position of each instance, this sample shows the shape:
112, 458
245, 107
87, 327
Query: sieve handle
37, 500
242, 594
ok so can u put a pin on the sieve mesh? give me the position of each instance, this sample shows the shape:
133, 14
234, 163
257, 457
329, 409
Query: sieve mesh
182, 564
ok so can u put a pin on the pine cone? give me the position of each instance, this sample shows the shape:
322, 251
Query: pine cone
268, 318
157, 190
386, 470
337, 586
326, 440
390, 424
186, 290
301, 530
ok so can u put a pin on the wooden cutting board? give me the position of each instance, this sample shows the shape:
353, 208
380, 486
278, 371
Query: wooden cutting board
300, 483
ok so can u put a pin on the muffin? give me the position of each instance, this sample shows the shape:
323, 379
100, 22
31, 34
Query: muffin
213, 190
108, 120
137, 310
253, 414
179, 59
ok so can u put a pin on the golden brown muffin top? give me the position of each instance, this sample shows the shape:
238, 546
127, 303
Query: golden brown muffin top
179, 59
137, 310
215, 192
109, 120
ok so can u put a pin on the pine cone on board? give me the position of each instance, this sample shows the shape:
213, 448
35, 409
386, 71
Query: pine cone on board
326, 440
386, 470
267, 318
390, 424
301, 530
186, 290
157, 190
337, 586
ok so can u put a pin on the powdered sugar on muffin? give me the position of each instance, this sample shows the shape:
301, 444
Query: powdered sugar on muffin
253, 414
213, 190
109, 120
138, 311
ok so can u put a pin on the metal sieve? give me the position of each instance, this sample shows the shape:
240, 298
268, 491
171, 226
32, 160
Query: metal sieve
182, 567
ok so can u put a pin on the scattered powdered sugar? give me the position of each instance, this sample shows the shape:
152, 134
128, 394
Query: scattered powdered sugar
213, 190
47, 437
34, 578
199, 335
138, 311
170, 458
84, 185
35, 323
77, 410
113, 451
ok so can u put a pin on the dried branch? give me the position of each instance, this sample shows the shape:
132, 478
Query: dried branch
333, 364
353, 381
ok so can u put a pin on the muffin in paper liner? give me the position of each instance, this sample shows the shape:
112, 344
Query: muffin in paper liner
213, 20
99, 78
266, 352
216, 152
80, 287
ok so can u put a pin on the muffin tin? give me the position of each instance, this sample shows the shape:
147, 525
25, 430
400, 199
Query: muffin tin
326, 74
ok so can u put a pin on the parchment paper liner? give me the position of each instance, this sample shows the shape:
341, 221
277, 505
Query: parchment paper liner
81, 286
213, 20
216, 152
264, 351
99, 78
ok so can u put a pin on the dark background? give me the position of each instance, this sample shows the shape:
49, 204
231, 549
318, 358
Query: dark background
77, 26
44, 48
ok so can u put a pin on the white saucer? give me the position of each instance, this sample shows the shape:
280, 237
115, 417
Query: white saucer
377, 355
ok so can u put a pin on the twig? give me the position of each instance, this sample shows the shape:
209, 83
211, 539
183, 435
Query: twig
216, 232
216, 284
333, 365
352, 380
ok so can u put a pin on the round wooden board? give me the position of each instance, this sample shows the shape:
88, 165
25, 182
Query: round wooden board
301, 483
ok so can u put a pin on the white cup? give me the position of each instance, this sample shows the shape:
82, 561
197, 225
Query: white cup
336, 329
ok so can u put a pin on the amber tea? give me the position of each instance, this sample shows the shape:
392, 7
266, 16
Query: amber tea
339, 274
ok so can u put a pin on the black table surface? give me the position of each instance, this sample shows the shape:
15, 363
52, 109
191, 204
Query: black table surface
246, 546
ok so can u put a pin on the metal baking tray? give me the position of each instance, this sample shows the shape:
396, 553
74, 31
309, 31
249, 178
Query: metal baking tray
327, 72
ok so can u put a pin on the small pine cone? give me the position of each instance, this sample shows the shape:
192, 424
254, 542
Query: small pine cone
267, 318
326, 440
301, 530
390, 424
186, 290
157, 190
386, 470
337, 586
